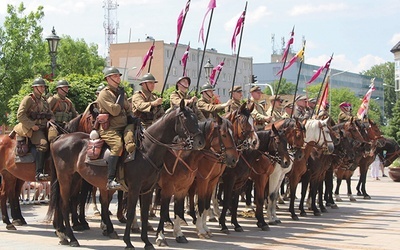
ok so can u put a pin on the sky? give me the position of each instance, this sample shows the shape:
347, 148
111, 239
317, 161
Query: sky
359, 33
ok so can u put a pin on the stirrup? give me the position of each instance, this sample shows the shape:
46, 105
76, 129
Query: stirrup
41, 177
112, 184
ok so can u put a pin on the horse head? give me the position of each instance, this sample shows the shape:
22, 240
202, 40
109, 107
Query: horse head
243, 128
318, 131
273, 142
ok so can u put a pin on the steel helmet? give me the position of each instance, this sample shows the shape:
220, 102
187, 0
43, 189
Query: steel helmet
39, 82
206, 87
100, 88
111, 71
181, 78
147, 78
62, 83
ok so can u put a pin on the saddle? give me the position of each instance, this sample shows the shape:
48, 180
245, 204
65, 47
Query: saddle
23, 150
98, 152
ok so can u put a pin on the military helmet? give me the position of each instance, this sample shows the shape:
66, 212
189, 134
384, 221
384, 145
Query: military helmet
181, 78
100, 88
62, 83
206, 87
148, 77
111, 71
39, 82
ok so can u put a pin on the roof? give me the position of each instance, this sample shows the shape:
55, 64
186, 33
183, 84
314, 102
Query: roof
396, 48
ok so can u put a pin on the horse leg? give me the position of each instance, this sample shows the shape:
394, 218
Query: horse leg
248, 190
320, 197
105, 199
304, 186
228, 189
329, 188
313, 195
94, 202
133, 196
349, 193
4, 212
201, 214
215, 207
144, 216
164, 210
337, 190
179, 218
18, 219
191, 195
259, 185
234, 208
65, 210
120, 208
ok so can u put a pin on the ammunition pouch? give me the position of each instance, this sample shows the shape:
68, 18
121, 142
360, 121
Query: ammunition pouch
94, 148
144, 116
103, 120
22, 147
62, 117
41, 115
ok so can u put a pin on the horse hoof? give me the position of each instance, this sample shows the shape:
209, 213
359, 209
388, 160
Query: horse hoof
353, 199
11, 227
17, 222
209, 234
63, 242
272, 223
122, 220
278, 221
161, 243
152, 215
113, 235
265, 228
367, 197
97, 213
169, 225
303, 214
339, 199
181, 239
136, 230
225, 231
148, 247
359, 193
317, 213
238, 229
213, 220
203, 236
86, 227
74, 244
324, 210
150, 228
78, 228
334, 206
295, 217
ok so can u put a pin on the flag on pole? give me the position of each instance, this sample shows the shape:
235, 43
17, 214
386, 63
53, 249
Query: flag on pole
325, 94
145, 59
315, 76
184, 59
290, 42
213, 74
238, 28
182, 17
299, 56
211, 5
363, 110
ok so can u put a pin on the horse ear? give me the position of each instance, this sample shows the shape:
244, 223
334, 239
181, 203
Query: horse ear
251, 106
218, 119
274, 129
182, 104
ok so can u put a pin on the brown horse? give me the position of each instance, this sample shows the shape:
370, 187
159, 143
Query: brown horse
140, 175
180, 169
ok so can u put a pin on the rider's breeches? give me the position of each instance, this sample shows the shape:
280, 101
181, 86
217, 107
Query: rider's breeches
114, 141
39, 140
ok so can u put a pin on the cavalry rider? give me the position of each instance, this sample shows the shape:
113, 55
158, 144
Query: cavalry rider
287, 110
310, 109
33, 114
145, 104
61, 106
181, 92
300, 107
205, 103
114, 113
277, 101
345, 112
259, 115
237, 95
324, 112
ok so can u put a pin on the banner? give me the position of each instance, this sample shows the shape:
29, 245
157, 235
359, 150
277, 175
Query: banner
363, 110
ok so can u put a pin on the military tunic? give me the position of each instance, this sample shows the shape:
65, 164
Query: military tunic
300, 112
207, 107
235, 105
175, 100
141, 107
34, 110
259, 115
344, 116
117, 119
276, 114
62, 108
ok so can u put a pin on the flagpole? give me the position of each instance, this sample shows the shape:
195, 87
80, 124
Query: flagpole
298, 77
319, 92
219, 72
280, 78
323, 94
151, 59
127, 56
184, 68
204, 52
238, 52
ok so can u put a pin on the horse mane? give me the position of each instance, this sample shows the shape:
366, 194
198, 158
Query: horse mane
73, 125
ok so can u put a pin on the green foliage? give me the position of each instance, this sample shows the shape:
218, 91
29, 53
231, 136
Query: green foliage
394, 124
285, 88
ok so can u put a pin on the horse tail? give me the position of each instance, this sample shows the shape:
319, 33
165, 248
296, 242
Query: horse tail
54, 203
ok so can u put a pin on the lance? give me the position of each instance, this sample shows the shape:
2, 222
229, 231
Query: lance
298, 78
320, 89
280, 77
184, 68
204, 51
237, 55
219, 72
175, 47
127, 56
151, 59
319, 102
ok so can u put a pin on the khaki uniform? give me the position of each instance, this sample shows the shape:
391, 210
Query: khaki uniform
141, 107
175, 100
34, 110
117, 119
207, 107
259, 115
276, 114
62, 108
344, 116
300, 112
235, 105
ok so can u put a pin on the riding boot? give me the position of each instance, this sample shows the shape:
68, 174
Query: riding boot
40, 176
112, 168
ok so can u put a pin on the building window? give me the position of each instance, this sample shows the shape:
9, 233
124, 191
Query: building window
224, 92
174, 71
167, 52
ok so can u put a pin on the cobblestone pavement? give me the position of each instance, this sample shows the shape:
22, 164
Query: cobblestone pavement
364, 224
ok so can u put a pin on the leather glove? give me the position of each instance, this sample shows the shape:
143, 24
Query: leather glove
133, 119
121, 96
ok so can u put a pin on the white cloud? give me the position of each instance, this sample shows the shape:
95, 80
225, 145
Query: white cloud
367, 61
310, 9
395, 39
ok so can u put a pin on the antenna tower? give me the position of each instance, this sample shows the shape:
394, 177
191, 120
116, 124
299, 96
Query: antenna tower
273, 44
111, 24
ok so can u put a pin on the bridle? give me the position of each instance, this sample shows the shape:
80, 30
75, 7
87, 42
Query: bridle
241, 132
322, 135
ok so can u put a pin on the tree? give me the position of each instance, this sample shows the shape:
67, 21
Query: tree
386, 72
22, 52
285, 88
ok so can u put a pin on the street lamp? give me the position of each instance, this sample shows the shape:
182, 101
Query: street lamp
53, 40
207, 70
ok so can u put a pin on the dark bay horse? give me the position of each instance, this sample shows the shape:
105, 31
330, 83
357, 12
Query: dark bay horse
140, 175
180, 169
389, 152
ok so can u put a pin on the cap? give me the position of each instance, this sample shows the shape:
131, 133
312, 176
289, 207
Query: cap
313, 100
344, 105
236, 89
275, 97
301, 97
255, 88
289, 105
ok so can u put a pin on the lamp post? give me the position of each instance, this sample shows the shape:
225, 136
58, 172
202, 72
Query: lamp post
53, 40
207, 70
